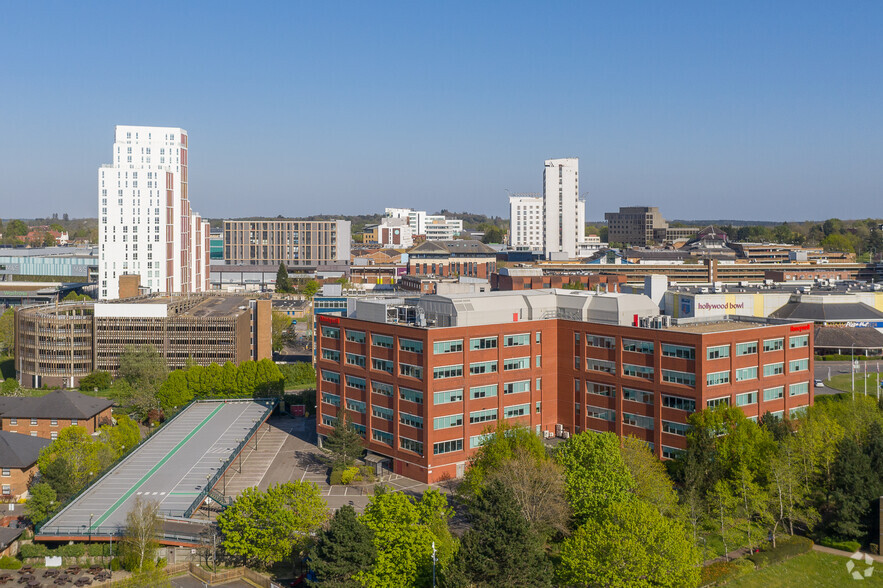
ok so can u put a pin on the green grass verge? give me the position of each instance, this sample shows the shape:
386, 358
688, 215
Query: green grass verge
810, 570
843, 382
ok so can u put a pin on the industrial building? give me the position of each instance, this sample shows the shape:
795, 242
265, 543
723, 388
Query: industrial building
60, 264
56, 345
425, 379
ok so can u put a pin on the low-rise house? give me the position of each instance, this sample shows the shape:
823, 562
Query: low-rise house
45, 416
18, 463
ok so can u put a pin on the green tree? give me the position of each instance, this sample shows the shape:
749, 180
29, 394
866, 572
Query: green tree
283, 283
435, 513
266, 527
280, 323
633, 545
342, 550
96, 380
175, 391
57, 473
499, 446
838, 242
403, 543
145, 370
652, 483
344, 445
42, 502
79, 450
15, 228
595, 474
9, 387
139, 544
500, 549
853, 490
7, 332
309, 289
493, 234
122, 437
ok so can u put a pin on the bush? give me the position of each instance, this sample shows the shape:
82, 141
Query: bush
115, 564
839, 357
161, 563
850, 546
335, 479
785, 549
349, 475
875, 549
33, 550
366, 473
8, 562
721, 572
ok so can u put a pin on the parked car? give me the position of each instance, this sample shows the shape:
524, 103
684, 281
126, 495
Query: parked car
820, 384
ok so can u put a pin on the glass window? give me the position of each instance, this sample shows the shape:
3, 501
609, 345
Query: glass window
330, 354
679, 351
773, 393
715, 402
356, 405
774, 344
483, 343
483, 391
798, 365
604, 414
382, 388
539, 360
516, 363
516, 387
637, 395
382, 365
671, 452
412, 371
717, 378
637, 420
518, 410
327, 376
330, 332
382, 413
675, 428
600, 389
448, 396
798, 389
382, 341
679, 403
600, 341
516, 340
411, 395
355, 382
718, 352
774, 369
797, 412
478, 440
747, 373
412, 420
675, 377
746, 398
798, 341
411, 445
332, 399
637, 371
483, 367
539, 337
637, 346
447, 446
382, 437
749, 348
355, 336
355, 359
482, 416
440, 347
447, 371
600, 365
411, 345
446, 422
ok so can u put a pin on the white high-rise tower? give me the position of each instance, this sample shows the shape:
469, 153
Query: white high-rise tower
146, 226
564, 214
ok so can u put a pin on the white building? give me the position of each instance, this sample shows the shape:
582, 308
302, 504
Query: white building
526, 222
554, 222
146, 226
435, 227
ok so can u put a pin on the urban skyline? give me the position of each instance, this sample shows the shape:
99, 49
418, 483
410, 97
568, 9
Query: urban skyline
723, 112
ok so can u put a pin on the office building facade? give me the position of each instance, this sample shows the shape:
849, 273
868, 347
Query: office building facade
146, 226
296, 243
526, 222
425, 380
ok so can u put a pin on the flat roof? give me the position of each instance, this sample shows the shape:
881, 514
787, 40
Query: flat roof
715, 326
218, 306
172, 468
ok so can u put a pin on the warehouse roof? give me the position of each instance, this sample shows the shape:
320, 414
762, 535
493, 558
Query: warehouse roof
844, 337
817, 311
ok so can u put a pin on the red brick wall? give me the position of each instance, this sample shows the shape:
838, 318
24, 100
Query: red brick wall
18, 481
44, 427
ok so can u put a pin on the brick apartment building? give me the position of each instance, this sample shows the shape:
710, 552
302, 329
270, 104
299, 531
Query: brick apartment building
423, 381
535, 279
18, 463
45, 416
461, 257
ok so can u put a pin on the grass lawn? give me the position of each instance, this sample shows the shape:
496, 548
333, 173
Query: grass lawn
810, 570
844, 382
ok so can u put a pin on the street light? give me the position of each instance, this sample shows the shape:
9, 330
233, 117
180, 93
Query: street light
90, 526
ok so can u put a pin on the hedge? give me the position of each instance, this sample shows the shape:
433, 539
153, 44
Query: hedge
785, 549
9, 563
850, 546
73, 550
721, 572
845, 357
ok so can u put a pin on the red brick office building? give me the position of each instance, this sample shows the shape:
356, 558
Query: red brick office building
423, 382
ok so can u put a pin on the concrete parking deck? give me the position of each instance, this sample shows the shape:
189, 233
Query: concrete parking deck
172, 468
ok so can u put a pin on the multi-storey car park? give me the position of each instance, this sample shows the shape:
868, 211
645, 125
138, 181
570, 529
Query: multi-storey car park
423, 380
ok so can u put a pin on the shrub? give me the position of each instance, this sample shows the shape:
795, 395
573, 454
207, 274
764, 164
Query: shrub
8, 562
349, 475
33, 550
73, 550
721, 572
875, 549
366, 473
115, 564
161, 563
785, 549
335, 477
850, 546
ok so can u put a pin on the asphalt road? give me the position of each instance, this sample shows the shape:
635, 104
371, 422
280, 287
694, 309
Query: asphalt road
828, 369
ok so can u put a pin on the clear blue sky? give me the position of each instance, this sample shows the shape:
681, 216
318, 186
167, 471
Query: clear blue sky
764, 111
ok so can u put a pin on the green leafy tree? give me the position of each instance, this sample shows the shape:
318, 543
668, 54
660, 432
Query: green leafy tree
500, 549
266, 527
229, 379
175, 391
344, 445
652, 483
9, 387
268, 380
435, 513
402, 540
122, 437
838, 242
595, 474
632, 545
853, 490
300, 373
309, 289
283, 283
212, 380
15, 228
42, 502
280, 323
343, 550
7, 332
144, 369
83, 455
139, 544
493, 234
96, 380
499, 446
57, 473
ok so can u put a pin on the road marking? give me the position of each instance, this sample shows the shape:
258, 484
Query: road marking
153, 470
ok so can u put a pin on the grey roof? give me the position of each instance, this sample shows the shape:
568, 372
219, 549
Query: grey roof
20, 451
60, 404
819, 311
457, 246
843, 337
8, 535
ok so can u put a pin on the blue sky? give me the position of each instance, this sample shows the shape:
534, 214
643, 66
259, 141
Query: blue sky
762, 111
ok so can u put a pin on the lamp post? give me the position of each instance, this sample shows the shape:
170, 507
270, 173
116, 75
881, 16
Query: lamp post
223, 474
90, 526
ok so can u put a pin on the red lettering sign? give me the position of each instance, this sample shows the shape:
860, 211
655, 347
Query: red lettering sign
331, 320
799, 328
